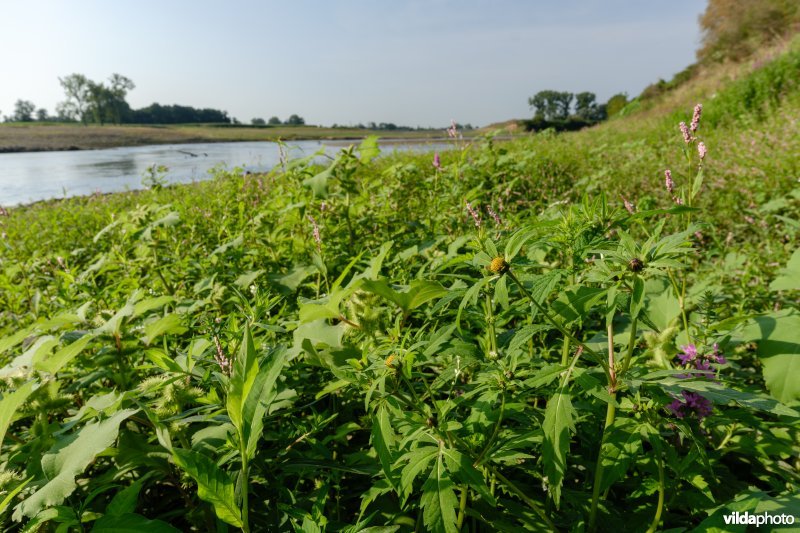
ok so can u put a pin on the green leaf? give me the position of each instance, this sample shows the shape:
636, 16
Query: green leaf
213, 485
11, 402
13, 494
62, 357
439, 501
698, 182
170, 323
131, 523
150, 304
462, 469
261, 394
637, 297
383, 440
523, 334
559, 421
622, 445
69, 457
245, 371
778, 339
417, 293
416, 462
575, 304
789, 279
518, 240
125, 500
319, 182
369, 149
544, 376
717, 393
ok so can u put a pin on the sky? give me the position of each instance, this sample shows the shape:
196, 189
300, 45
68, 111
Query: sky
408, 62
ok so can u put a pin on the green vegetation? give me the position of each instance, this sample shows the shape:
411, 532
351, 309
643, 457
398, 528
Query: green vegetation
597, 330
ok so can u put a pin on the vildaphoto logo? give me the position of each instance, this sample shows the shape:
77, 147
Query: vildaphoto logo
758, 520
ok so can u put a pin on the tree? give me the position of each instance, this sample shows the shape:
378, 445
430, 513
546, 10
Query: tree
76, 87
585, 105
41, 114
118, 88
274, 121
295, 120
23, 111
258, 122
616, 103
551, 105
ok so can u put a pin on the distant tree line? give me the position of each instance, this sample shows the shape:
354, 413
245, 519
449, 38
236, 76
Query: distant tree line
91, 102
554, 109
293, 120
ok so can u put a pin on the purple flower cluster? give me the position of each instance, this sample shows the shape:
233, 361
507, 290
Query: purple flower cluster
692, 402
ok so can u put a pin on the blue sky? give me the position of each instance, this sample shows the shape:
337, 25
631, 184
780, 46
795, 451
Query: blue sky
411, 62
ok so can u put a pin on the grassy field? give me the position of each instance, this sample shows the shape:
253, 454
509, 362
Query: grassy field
24, 137
545, 334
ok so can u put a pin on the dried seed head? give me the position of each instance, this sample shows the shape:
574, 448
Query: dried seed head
635, 265
499, 265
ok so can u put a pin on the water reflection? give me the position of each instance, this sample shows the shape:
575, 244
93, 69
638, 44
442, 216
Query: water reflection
32, 176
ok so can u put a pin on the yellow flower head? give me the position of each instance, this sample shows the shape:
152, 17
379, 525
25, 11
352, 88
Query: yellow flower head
498, 265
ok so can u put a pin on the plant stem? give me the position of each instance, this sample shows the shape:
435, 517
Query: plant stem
610, 413
626, 363
245, 484
462, 507
660, 507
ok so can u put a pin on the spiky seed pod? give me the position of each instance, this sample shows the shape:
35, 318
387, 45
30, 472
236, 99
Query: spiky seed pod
499, 265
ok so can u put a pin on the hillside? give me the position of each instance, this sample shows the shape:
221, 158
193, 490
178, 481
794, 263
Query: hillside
541, 334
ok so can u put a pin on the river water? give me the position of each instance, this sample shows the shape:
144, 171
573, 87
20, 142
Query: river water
31, 176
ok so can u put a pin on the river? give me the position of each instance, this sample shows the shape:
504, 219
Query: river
32, 176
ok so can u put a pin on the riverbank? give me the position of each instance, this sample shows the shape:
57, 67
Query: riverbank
33, 137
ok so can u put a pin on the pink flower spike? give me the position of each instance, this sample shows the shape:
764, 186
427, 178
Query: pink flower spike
702, 150
698, 110
474, 214
628, 205
437, 163
668, 181
687, 137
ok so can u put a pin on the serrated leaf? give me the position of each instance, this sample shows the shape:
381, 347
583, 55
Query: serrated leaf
213, 485
245, 371
621, 446
69, 457
439, 501
383, 440
559, 422
461, 468
416, 461
263, 391
524, 334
